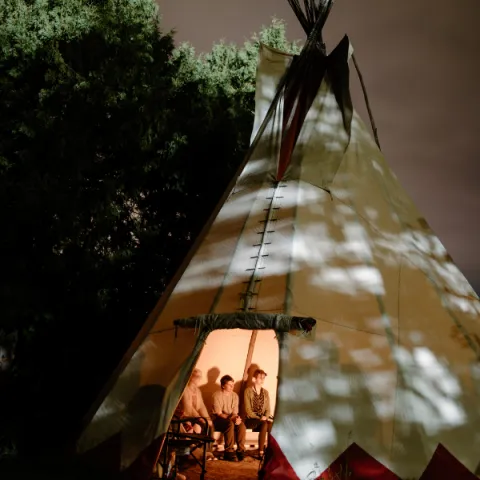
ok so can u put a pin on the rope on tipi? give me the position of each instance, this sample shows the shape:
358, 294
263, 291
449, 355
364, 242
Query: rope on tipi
367, 102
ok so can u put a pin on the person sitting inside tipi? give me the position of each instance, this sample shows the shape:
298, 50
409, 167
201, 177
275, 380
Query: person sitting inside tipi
192, 405
227, 420
257, 409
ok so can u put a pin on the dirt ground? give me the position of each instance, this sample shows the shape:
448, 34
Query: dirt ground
221, 469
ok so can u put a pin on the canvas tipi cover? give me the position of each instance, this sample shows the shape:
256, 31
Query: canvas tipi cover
317, 226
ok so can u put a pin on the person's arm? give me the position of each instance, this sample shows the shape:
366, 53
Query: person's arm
180, 410
235, 404
187, 405
195, 413
218, 406
202, 409
247, 398
268, 410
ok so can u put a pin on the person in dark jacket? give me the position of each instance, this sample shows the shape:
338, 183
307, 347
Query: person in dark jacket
257, 409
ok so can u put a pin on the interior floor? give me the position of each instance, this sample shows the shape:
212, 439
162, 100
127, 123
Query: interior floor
221, 469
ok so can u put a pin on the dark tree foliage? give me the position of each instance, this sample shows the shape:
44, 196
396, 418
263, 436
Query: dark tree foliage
114, 149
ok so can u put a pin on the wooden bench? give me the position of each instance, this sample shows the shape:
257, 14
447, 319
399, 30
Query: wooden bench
251, 440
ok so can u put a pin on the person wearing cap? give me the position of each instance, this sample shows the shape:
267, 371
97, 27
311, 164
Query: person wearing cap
257, 409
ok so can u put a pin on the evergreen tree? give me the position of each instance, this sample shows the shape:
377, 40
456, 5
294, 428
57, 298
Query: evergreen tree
114, 148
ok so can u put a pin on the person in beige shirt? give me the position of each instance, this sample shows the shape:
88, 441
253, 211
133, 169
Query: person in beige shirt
227, 420
191, 404
257, 409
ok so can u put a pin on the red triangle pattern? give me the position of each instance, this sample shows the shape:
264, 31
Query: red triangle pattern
444, 465
356, 464
275, 465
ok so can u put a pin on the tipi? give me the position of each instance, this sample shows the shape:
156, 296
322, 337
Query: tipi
315, 226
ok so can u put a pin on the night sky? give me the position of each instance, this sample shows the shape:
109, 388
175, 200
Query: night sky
419, 60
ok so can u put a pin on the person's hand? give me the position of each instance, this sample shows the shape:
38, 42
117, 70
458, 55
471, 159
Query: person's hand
270, 420
263, 418
238, 420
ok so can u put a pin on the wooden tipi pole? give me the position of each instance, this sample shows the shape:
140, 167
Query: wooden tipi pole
248, 360
309, 18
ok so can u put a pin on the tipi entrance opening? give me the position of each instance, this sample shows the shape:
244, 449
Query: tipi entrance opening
238, 353
226, 353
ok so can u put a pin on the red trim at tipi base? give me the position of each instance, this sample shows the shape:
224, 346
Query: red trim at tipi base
275, 465
444, 465
356, 464
353, 464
